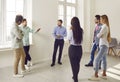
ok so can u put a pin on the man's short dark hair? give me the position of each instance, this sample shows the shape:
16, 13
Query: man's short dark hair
24, 19
19, 18
97, 17
60, 20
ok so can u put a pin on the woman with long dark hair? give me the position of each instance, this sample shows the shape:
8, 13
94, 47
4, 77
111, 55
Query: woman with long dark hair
75, 49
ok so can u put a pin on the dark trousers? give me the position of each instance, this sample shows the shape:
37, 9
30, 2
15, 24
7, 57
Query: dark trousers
27, 58
60, 44
75, 54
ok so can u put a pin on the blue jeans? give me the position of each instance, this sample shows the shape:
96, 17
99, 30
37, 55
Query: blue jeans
101, 56
94, 48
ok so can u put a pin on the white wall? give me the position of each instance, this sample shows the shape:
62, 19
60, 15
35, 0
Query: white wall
88, 22
112, 9
44, 15
93, 7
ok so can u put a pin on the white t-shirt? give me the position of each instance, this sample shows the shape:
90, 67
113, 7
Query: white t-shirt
103, 35
71, 39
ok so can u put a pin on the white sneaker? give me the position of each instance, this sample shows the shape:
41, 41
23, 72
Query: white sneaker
18, 76
26, 67
103, 77
93, 78
24, 72
30, 63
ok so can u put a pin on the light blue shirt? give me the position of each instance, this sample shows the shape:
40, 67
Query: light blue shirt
26, 31
60, 31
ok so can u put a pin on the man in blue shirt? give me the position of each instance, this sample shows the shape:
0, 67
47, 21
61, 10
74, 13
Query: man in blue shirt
59, 34
95, 40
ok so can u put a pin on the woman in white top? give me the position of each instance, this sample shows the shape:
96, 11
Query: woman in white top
75, 49
105, 38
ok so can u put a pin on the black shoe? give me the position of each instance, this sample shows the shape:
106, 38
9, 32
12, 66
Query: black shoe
99, 67
52, 64
89, 65
75, 80
60, 63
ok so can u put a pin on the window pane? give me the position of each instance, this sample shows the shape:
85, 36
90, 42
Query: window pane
69, 12
10, 5
61, 0
71, 1
19, 5
8, 11
14, 7
68, 21
73, 11
8, 35
61, 10
10, 18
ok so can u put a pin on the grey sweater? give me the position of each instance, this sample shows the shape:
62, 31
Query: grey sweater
16, 36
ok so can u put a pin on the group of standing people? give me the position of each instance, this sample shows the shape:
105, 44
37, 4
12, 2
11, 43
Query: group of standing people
105, 39
21, 45
75, 38
101, 42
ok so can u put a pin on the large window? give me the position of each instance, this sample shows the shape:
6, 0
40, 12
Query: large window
8, 10
66, 10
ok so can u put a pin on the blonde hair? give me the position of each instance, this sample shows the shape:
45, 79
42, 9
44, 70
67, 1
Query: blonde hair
106, 21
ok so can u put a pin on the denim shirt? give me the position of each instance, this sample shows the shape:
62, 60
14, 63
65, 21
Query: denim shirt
26, 31
96, 39
60, 31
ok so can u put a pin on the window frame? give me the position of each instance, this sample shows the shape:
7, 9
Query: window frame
3, 14
65, 4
